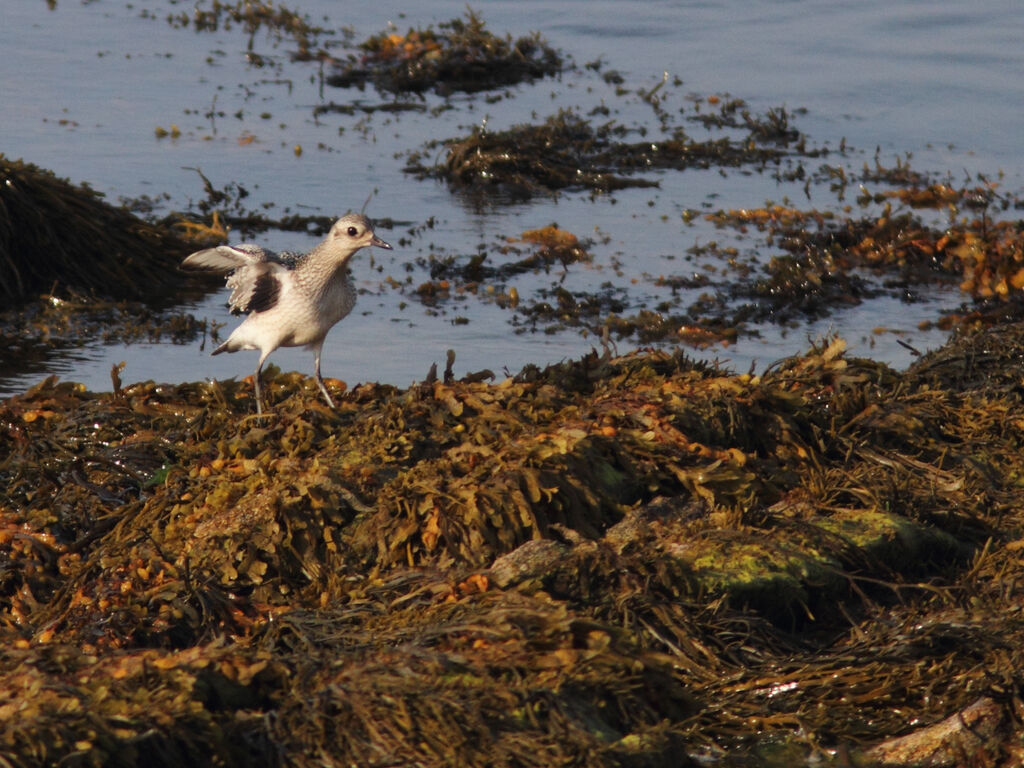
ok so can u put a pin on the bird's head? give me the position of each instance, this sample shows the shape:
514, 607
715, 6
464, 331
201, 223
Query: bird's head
352, 232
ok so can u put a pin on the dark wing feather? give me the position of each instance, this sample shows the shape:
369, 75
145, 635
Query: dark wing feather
255, 288
265, 293
255, 273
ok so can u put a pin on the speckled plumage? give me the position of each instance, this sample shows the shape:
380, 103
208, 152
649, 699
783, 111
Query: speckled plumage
291, 299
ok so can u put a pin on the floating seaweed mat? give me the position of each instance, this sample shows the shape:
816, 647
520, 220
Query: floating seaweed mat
566, 152
57, 237
462, 55
718, 534
984, 254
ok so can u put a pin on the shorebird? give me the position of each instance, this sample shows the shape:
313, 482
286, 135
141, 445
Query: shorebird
292, 299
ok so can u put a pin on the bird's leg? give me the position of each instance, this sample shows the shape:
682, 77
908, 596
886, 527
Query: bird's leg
259, 395
319, 378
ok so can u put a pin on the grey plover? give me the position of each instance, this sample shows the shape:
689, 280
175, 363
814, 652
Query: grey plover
292, 299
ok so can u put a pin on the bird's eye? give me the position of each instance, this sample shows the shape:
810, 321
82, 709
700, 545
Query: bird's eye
352, 231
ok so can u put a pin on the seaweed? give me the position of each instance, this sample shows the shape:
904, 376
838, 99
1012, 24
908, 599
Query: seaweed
56, 237
635, 560
74, 268
461, 55
279, 21
985, 256
568, 152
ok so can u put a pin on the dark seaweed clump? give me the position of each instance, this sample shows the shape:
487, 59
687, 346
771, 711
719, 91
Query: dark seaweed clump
612, 562
74, 268
59, 238
568, 152
462, 55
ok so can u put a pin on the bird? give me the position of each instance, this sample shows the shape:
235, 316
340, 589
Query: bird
291, 299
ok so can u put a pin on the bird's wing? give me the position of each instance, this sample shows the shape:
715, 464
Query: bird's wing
255, 287
255, 273
225, 258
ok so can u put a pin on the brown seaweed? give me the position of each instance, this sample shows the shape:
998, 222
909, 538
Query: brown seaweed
57, 238
613, 561
461, 55
567, 152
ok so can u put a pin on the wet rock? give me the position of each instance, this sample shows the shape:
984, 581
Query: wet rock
968, 732
528, 561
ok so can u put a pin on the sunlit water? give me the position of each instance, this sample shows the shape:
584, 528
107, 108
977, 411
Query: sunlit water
86, 84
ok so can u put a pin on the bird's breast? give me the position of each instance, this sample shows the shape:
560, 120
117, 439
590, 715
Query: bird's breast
336, 299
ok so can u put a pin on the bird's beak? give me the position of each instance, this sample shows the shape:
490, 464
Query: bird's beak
380, 243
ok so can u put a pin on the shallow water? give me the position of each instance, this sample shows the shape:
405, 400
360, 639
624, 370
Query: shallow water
88, 83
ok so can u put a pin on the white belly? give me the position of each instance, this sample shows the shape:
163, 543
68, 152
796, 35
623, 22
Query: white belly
295, 320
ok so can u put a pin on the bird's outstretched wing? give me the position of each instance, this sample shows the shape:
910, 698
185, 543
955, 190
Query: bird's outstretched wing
225, 258
254, 280
255, 288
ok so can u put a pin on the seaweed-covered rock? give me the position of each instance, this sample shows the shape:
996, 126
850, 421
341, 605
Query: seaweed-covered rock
615, 561
58, 237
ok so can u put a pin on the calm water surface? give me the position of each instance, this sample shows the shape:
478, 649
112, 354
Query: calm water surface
86, 84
